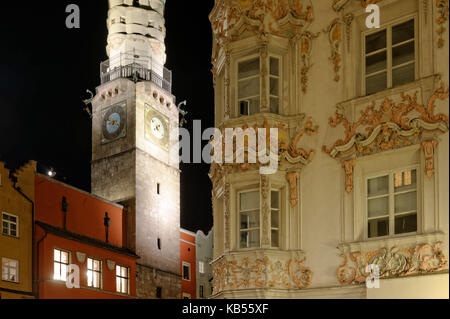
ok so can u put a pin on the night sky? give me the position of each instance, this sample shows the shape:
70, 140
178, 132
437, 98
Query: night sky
46, 68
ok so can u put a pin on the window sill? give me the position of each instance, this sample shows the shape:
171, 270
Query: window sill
10, 236
11, 282
395, 241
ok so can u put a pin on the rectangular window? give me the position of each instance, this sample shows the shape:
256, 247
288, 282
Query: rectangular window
392, 204
94, 273
10, 225
275, 218
274, 78
201, 267
60, 264
186, 271
390, 57
10, 270
249, 86
202, 293
158, 292
122, 279
249, 208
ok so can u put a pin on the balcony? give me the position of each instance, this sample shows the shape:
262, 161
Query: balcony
136, 67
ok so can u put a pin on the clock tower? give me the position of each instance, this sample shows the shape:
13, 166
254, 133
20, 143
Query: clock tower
132, 163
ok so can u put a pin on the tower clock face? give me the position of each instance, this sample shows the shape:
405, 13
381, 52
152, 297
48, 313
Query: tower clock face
156, 127
114, 121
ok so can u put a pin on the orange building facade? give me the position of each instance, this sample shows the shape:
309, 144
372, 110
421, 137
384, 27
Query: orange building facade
73, 235
188, 264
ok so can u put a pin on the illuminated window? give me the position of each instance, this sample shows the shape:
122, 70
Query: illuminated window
249, 207
201, 267
275, 218
10, 270
392, 204
10, 225
122, 279
94, 273
60, 264
249, 87
390, 58
186, 271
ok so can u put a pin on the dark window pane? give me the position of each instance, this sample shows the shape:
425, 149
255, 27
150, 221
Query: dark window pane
403, 75
248, 68
274, 67
376, 83
376, 62
274, 105
406, 224
402, 54
274, 87
378, 228
376, 41
403, 32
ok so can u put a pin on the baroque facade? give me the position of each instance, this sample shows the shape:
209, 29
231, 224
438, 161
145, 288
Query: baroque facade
362, 116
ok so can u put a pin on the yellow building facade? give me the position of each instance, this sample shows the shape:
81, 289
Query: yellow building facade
16, 232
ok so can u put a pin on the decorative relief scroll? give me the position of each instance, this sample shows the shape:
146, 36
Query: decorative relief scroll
227, 215
265, 210
392, 262
348, 166
442, 7
348, 20
264, 271
292, 178
228, 86
334, 31
428, 148
289, 153
306, 41
389, 126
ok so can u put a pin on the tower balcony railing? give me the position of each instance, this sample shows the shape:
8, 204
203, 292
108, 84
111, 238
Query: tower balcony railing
136, 67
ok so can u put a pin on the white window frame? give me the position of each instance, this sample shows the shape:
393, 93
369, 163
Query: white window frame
239, 218
279, 77
238, 61
95, 272
9, 268
9, 225
69, 258
118, 288
388, 27
279, 218
391, 173
188, 265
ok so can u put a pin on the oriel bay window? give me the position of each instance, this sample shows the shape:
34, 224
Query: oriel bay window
250, 216
392, 204
249, 85
249, 211
390, 57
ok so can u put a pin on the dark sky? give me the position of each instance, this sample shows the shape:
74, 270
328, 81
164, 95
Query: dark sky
46, 68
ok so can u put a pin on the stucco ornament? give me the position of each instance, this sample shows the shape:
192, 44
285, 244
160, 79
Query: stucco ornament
389, 126
442, 8
227, 203
247, 272
290, 154
292, 178
392, 262
334, 31
338, 5
348, 166
265, 209
111, 264
428, 148
81, 257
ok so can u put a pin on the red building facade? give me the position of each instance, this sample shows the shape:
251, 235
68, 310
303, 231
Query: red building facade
74, 235
188, 264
